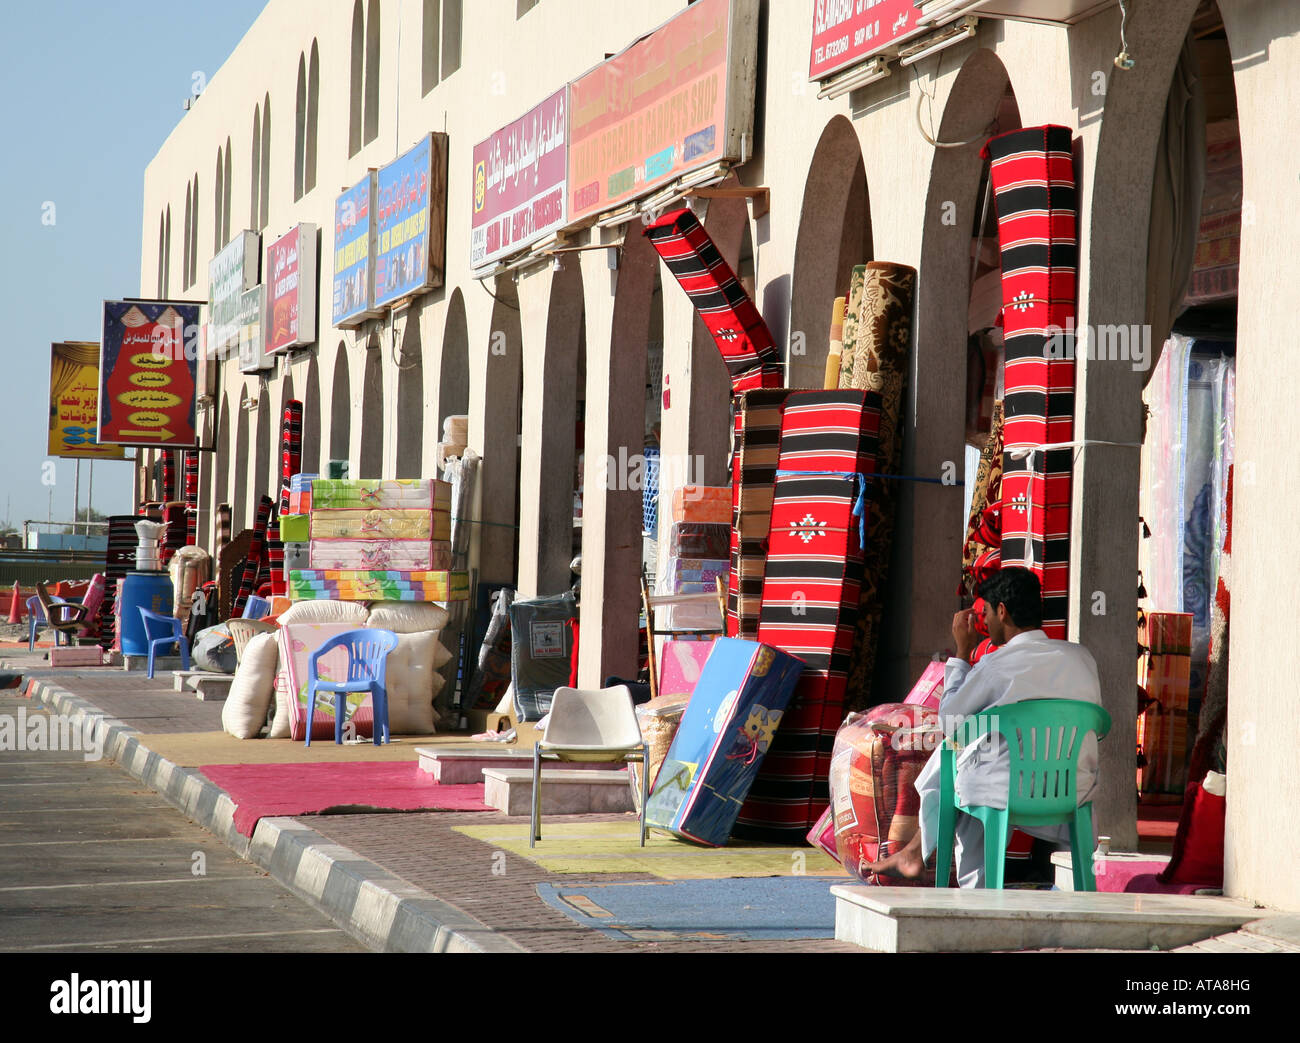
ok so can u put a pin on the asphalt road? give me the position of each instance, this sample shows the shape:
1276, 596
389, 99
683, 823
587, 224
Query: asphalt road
91, 861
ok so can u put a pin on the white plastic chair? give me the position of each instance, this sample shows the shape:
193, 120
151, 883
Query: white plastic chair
588, 725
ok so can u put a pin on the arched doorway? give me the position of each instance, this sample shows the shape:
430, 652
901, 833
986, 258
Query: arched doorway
311, 419
373, 419
240, 473
221, 470
834, 235
499, 475
410, 398
340, 410
263, 448
453, 368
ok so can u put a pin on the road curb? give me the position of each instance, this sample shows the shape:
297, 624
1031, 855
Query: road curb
380, 910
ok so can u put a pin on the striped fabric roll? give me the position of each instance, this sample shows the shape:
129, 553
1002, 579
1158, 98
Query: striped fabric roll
272, 570
811, 592
191, 472
758, 446
168, 476
290, 449
119, 559
256, 555
223, 528
731, 316
1032, 173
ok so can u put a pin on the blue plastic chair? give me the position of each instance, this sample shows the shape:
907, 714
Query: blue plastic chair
36, 620
367, 669
164, 630
1043, 738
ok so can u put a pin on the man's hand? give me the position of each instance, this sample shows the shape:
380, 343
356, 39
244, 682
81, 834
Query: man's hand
964, 633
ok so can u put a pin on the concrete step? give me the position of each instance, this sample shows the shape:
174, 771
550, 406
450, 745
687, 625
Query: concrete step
457, 766
161, 664
927, 919
207, 685
565, 791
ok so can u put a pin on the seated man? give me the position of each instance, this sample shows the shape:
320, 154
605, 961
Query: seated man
1028, 665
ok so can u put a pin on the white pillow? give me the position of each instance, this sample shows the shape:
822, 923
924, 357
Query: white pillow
412, 682
405, 617
280, 726
244, 711
324, 611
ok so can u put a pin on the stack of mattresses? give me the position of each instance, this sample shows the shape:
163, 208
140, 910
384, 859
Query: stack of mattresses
390, 535
1032, 176
728, 312
377, 585
811, 593
876, 357
719, 747
119, 559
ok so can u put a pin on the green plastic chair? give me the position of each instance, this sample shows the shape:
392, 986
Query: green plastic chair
1043, 738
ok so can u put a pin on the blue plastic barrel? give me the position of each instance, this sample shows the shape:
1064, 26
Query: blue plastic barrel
151, 590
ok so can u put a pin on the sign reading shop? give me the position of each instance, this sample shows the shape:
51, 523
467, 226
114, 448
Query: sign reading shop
354, 251
677, 100
148, 366
519, 182
848, 31
231, 274
411, 222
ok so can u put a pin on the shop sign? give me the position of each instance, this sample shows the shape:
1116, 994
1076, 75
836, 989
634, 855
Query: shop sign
354, 251
845, 32
252, 344
232, 272
519, 182
74, 402
291, 289
148, 366
677, 100
411, 221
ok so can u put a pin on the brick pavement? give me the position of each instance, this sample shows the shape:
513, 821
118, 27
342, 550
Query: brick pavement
426, 851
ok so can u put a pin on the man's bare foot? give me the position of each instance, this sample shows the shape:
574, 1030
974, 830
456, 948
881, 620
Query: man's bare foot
906, 862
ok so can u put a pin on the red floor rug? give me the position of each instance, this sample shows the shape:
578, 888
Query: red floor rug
268, 790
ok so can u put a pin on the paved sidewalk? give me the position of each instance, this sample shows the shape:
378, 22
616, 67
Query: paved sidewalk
414, 881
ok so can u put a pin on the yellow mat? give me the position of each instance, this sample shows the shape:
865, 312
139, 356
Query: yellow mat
611, 847
193, 749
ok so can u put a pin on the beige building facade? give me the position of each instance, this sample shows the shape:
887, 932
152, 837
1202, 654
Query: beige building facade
562, 344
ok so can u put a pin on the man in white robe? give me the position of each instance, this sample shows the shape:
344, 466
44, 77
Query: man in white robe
1026, 665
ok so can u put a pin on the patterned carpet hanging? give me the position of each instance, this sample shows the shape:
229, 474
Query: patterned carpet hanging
290, 449
880, 363
1032, 174
731, 317
811, 592
981, 552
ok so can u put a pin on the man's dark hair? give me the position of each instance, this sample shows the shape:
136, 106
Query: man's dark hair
1020, 591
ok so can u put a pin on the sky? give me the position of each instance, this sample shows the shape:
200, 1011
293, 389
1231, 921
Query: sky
90, 91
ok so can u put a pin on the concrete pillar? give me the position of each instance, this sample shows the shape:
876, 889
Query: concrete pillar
1118, 156
551, 302
1263, 836
618, 322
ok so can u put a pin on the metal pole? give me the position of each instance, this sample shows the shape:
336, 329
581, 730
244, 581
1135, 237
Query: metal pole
90, 497
76, 492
